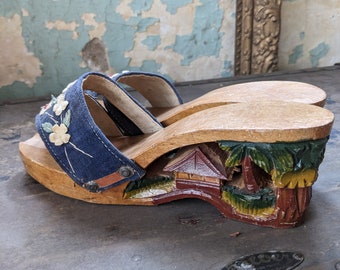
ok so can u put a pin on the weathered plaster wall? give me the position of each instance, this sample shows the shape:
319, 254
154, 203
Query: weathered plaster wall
309, 34
42, 41
46, 44
22, 65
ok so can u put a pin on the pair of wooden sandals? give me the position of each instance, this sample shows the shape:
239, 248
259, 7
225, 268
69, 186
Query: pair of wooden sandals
252, 149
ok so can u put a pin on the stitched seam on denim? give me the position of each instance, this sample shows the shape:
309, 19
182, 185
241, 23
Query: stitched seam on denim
108, 147
105, 144
64, 164
55, 154
94, 130
151, 121
150, 74
123, 162
145, 112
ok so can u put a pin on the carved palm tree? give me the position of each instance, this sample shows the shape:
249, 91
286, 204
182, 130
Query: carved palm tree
277, 162
253, 161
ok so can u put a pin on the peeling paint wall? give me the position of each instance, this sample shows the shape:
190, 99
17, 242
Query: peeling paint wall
309, 34
46, 44
17, 63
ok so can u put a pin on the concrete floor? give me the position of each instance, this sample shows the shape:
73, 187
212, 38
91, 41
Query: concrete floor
43, 230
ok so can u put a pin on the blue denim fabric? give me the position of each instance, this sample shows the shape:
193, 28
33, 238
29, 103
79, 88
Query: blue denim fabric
125, 125
87, 155
118, 76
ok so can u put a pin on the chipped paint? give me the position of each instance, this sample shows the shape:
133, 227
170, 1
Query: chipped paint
63, 26
296, 54
205, 37
173, 5
152, 42
94, 55
317, 53
17, 63
309, 34
302, 35
184, 42
125, 10
183, 39
139, 6
166, 28
98, 30
228, 69
24, 12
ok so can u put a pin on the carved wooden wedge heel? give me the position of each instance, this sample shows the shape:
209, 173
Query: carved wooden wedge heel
255, 161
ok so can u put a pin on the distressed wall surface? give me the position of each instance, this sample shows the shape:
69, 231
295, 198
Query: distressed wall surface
42, 42
46, 44
309, 34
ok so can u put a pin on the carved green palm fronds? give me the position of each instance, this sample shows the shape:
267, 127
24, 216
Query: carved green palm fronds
289, 164
260, 203
149, 187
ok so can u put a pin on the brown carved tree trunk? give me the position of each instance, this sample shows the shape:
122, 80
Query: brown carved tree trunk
248, 176
292, 203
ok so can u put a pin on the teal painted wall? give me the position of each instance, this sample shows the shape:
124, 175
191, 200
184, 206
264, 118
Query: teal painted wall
309, 34
42, 41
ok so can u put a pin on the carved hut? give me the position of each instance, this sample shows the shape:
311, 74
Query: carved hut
197, 164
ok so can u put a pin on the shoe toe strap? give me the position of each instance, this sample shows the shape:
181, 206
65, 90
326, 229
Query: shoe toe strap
77, 143
158, 90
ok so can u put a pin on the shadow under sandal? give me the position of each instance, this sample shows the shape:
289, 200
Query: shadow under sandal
168, 107
256, 161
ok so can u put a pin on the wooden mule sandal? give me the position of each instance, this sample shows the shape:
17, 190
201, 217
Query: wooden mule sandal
254, 161
168, 107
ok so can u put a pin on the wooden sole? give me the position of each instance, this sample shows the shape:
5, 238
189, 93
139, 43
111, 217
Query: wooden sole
258, 122
288, 91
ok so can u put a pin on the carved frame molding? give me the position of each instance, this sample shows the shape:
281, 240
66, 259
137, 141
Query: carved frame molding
257, 36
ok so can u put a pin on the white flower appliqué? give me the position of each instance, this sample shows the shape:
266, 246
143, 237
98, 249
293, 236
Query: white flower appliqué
60, 104
61, 121
59, 135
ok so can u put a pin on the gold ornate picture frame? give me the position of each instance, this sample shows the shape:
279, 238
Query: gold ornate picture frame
257, 36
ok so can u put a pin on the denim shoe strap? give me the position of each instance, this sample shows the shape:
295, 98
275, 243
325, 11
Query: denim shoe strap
125, 125
123, 101
158, 90
78, 145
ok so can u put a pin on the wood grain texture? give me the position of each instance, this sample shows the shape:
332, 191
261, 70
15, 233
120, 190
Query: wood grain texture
244, 122
253, 122
288, 91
